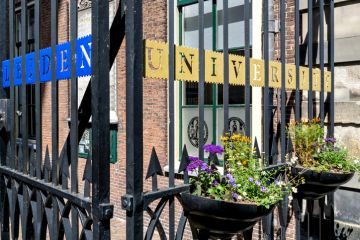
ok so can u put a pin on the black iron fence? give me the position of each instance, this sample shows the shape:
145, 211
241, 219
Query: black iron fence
40, 191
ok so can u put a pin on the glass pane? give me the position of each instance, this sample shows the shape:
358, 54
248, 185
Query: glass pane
191, 25
191, 93
31, 23
236, 94
236, 24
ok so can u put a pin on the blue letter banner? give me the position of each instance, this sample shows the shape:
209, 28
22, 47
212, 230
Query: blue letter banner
83, 56
30, 68
17, 71
6, 73
63, 61
45, 65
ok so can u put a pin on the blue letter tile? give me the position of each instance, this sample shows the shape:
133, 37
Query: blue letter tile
83, 56
63, 61
45, 65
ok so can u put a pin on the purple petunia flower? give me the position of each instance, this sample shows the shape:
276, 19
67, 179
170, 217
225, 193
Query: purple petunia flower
196, 163
263, 189
250, 179
257, 183
211, 148
330, 140
231, 180
215, 183
234, 195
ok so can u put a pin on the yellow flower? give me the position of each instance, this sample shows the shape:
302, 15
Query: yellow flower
224, 139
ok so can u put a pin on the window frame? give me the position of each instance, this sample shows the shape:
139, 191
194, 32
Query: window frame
182, 87
113, 143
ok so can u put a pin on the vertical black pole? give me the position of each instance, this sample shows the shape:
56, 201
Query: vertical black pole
321, 7
38, 121
171, 118
266, 86
201, 88
247, 10
226, 68
13, 163
226, 64
284, 204
134, 118
54, 114
297, 62
24, 110
4, 218
100, 119
331, 62
310, 58
330, 197
283, 92
74, 115
38, 91
100, 108
267, 220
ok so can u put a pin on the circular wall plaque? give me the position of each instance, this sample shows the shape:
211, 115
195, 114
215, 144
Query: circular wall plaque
236, 125
193, 132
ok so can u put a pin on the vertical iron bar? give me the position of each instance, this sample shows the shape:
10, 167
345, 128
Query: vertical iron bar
24, 110
214, 86
13, 163
38, 130
134, 117
226, 64
332, 94
38, 91
54, 115
266, 86
201, 79
74, 115
310, 58
4, 219
171, 118
180, 84
101, 117
297, 62
247, 68
321, 7
283, 92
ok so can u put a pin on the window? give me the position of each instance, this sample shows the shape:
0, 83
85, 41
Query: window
213, 35
30, 89
85, 144
213, 93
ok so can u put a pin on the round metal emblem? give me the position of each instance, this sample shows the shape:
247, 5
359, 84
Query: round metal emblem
236, 125
193, 132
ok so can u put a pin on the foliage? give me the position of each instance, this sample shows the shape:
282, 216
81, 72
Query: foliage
244, 180
307, 137
319, 153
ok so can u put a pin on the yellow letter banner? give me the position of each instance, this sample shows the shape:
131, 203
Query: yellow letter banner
156, 61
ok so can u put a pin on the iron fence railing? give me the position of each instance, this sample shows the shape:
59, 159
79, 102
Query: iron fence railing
40, 191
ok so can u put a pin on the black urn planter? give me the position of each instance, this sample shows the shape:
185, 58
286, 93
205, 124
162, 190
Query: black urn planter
219, 219
319, 184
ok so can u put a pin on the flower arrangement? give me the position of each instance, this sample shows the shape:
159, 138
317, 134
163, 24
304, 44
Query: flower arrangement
244, 180
317, 152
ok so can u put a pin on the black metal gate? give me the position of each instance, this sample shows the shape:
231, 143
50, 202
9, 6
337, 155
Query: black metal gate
40, 196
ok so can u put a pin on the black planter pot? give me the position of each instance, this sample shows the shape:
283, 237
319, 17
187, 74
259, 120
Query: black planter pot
219, 219
319, 184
